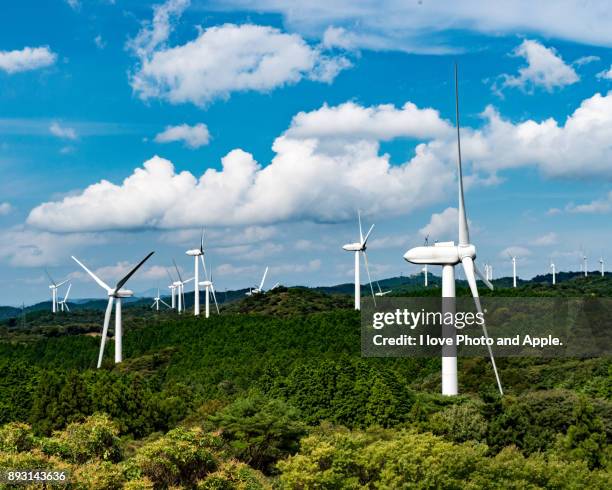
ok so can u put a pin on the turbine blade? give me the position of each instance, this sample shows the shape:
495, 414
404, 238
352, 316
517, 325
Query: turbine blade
177, 270
131, 273
66, 305
170, 276
154, 302
202, 241
365, 256
263, 279
67, 293
204, 267
62, 283
364, 240
49, 276
464, 234
107, 315
212, 289
483, 278
95, 278
164, 303
360, 230
468, 268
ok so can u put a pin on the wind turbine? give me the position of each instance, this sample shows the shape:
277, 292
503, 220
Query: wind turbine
157, 300
586, 269
62, 304
554, 272
360, 247
180, 285
513, 258
380, 291
195, 253
448, 255
54, 287
601, 263
424, 270
114, 296
208, 288
258, 289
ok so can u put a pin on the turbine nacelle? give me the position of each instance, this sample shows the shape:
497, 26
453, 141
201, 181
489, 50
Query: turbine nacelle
354, 247
122, 293
194, 252
205, 283
442, 253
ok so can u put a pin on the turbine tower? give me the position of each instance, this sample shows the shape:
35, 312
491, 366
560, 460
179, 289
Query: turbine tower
513, 257
360, 248
157, 300
195, 253
601, 264
554, 272
424, 270
54, 287
584, 261
172, 289
62, 304
114, 296
448, 255
208, 289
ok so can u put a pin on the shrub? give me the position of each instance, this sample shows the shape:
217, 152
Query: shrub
16, 437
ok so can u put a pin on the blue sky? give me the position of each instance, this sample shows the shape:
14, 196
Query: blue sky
306, 107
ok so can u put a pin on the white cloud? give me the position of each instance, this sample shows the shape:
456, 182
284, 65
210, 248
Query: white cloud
26, 59
62, 132
193, 136
389, 241
309, 178
606, 74
225, 59
585, 60
545, 68
422, 26
546, 239
5, 208
99, 42
515, 251
23, 247
597, 206
442, 226
110, 274
74, 4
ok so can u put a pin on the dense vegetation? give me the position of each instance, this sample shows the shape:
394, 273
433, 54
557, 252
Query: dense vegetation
274, 392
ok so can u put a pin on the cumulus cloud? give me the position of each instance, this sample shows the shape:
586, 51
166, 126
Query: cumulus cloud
5, 208
62, 132
322, 170
192, 136
606, 74
427, 27
546, 239
545, 68
442, 226
26, 59
311, 177
222, 59
601, 206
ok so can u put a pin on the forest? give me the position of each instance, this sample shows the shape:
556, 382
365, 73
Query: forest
274, 393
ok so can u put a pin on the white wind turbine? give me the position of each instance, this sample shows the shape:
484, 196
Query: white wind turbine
425, 270
513, 258
209, 288
448, 255
157, 300
258, 289
601, 264
54, 287
554, 272
585, 262
180, 285
360, 248
195, 253
62, 304
114, 296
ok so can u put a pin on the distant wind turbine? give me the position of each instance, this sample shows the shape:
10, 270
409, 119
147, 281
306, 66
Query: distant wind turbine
54, 287
63, 303
157, 300
114, 296
601, 264
552, 268
258, 289
180, 285
380, 291
513, 258
195, 253
360, 248
209, 288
